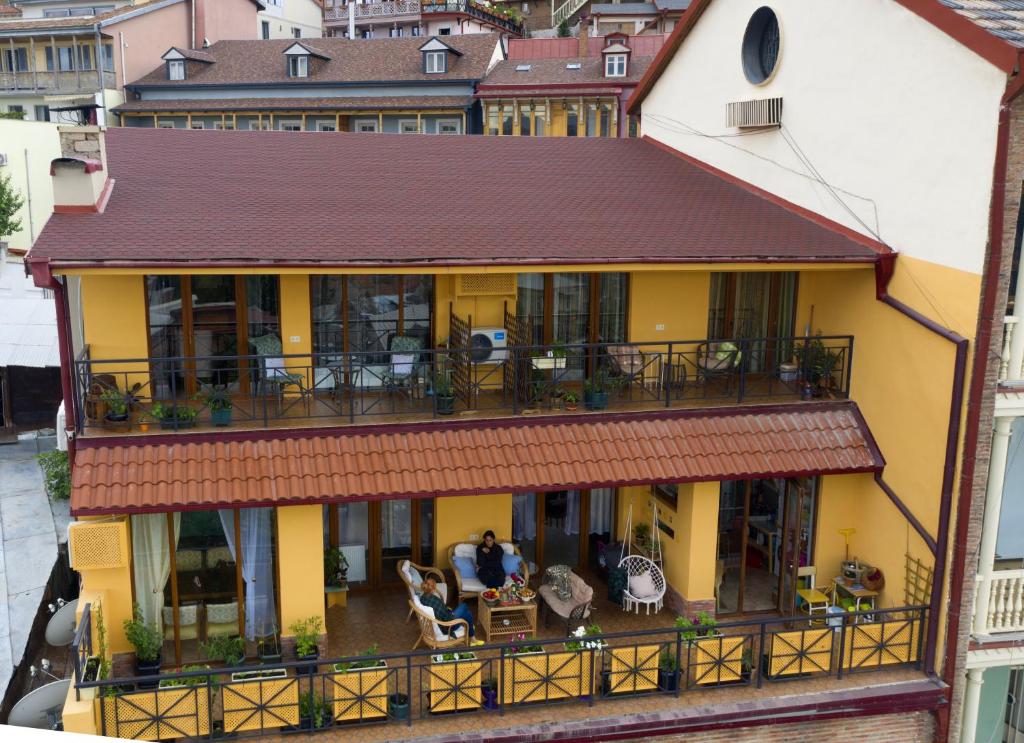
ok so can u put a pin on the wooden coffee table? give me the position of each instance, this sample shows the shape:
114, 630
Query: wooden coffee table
501, 621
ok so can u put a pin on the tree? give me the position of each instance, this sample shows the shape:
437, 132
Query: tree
563, 28
10, 202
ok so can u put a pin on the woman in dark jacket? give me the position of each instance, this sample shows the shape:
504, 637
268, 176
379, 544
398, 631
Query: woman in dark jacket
488, 562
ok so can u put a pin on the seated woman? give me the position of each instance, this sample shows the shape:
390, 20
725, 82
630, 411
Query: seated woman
489, 555
432, 597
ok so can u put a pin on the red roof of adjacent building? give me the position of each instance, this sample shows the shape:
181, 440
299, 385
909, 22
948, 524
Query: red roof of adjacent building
465, 458
300, 198
646, 45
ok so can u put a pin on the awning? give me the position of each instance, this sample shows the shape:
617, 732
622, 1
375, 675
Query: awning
471, 457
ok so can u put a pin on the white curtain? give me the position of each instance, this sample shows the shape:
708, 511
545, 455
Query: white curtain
151, 557
602, 502
524, 517
256, 527
396, 523
572, 513
353, 526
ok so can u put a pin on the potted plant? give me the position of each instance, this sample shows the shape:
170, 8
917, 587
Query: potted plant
641, 534
571, 401
398, 706
307, 632
268, 648
147, 640
490, 692
217, 399
668, 671
260, 674
703, 625
174, 416
189, 681
228, 649
117, 405
595, 391
360, 687
580, 641
314, 714
444, 396
335, 568
144, 421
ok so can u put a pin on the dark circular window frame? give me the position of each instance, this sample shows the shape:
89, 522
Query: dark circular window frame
762, 26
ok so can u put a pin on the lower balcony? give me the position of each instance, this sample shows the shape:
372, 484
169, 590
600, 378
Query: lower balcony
480, 379
85, 82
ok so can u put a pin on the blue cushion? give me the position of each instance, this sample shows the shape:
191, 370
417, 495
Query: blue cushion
466, 567
510, 563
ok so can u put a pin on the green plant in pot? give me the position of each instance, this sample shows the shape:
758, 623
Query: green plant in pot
228, 649
335, 568
217, 399
595, 391
147, 640
174, 416
313, 712
268, 648
668, 671
444, 395
490, 692
307, 632
117, 403
571, 400
818, 364
642, 534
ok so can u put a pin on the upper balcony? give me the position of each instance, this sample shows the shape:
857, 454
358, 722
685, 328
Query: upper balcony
468, 377
83, 81
401, 10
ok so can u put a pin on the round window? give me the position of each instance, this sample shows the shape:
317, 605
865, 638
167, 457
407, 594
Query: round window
761, 46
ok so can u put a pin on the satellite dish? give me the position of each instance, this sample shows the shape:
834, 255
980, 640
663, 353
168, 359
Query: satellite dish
60, 630
42, 707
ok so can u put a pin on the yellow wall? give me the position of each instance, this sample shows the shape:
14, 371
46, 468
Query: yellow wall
111, 588
676, 299
465, 518
296, 323
114, 315
300, 559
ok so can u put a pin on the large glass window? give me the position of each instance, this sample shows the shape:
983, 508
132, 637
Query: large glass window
572, 120
1010, 538
753, 306
612, 305
530, 304
571, 308
574, 308
214, 329
166, 331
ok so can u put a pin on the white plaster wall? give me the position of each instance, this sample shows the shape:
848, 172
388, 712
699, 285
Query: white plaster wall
887, 107
30, 147
302, 14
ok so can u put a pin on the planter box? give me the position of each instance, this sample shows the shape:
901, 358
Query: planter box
360, 693
539, 677
260, 704
167, 424
549, 362
178, 712
455, 685
221, 417
270, 673
634, 669
716, 660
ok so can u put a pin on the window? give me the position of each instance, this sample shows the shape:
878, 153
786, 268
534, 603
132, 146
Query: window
85, 58
365, 125
574, 307
42, 113
493, 111
448, 126
16, 109
164, 124
523, 67
507, 121
760, 51
108, 57
298, 66
408, 126
264, 29
615, 65
65, 58
367, 33
198, 125
290, 126
175, 69
394, 33
324, 127
416, 30
446, 31
228, 125
15, 60
255, 125
572, 120
435, 61
524, 119
296, 32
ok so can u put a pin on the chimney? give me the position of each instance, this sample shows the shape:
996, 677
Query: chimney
80, 179
584, 49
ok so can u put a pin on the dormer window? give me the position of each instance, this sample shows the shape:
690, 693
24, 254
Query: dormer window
298, 66
615, 65
176, 69
436, 54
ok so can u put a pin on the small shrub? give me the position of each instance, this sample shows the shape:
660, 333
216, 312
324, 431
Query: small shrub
306, 632
145, 638
56, 474
228, 649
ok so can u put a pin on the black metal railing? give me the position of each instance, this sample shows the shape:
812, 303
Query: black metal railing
81, 649
176, 393
497, 679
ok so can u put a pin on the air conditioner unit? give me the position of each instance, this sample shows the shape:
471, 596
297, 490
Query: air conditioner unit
488, 345
758, 113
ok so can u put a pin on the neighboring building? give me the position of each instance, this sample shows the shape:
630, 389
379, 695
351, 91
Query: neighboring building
566, 87
762, 93
68, 60
657, 16
392, 18
291, 19
26, 150
402, 85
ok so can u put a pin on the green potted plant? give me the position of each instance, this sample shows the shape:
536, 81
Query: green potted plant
335, 568
668, 671
268, 647
314, 714
595, 391
571, 400
703, 625
641, 534
444, 396
147, 640
174, 416
191, 680
228, 649
307, 632
217, 399
117, 405
398, 706
490, 690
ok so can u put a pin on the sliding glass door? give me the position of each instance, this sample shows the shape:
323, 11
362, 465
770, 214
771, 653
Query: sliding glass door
754, 306
562, 527
574, 308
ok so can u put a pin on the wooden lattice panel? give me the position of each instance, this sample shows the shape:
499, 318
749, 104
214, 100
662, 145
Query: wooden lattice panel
717, 659
634, 669
360, 694
98, 545
890, 642
455, 686
258, 705
801, 651
487, 284
181, 712
545, 676
917, 589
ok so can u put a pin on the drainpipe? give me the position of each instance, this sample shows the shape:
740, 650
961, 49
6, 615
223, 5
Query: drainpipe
103, 84
883, 273
193, 35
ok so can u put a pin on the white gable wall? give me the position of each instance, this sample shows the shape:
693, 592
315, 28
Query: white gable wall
885, 106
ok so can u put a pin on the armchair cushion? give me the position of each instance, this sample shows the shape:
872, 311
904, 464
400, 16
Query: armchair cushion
510, 563
414, 577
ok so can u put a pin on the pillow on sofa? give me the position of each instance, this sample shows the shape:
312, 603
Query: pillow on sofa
508, 548
642, 586
466, 567
510, 563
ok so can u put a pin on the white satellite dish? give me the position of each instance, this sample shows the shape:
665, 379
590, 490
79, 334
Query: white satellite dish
41, 708
60, 630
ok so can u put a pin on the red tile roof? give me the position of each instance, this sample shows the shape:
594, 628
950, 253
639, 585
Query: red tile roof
555, 71
464, 458
561, 48
203, 196
297, 104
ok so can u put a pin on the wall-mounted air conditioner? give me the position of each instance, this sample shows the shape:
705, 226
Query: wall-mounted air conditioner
488, 345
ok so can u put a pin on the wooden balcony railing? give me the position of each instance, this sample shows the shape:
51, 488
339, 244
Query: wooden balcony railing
388, 9
374, 10
84, 81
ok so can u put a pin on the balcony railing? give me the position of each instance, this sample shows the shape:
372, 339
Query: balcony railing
375, 10
1005, 609
391, 8
498, 679
1011, 361
85, 81
341, 388
474, 10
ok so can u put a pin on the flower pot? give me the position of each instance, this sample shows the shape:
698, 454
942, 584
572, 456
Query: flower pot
117, 417
490, 698
148, 668
168, 424
595, 400
221, 416
144, 427
398, 706
668, 680
310, 669
445, 404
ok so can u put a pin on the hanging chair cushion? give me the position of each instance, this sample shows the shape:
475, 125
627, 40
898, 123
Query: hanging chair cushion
642, 586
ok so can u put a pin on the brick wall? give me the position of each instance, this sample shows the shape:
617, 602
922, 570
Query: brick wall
965, 602
901, 728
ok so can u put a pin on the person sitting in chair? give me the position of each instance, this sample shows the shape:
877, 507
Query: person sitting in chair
432, 597
489, 569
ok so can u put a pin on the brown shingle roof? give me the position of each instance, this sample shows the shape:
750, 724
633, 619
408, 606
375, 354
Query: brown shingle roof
298, 104
262, 61
469, 458
555, 71
200, 196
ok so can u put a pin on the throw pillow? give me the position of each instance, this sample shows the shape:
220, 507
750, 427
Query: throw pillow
642, 586
466, 567
510, 563
415, 578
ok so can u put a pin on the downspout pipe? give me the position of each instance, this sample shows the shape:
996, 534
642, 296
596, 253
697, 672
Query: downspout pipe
883, 274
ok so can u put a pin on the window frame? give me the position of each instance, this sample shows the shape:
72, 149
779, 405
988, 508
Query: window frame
298, 66
613, 63
434, 56
172, 66
372, 122
444, 122
402, 123
282, 123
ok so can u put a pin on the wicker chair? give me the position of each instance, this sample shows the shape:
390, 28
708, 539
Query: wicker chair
432, 630
471, 588
574, 610
411, 584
